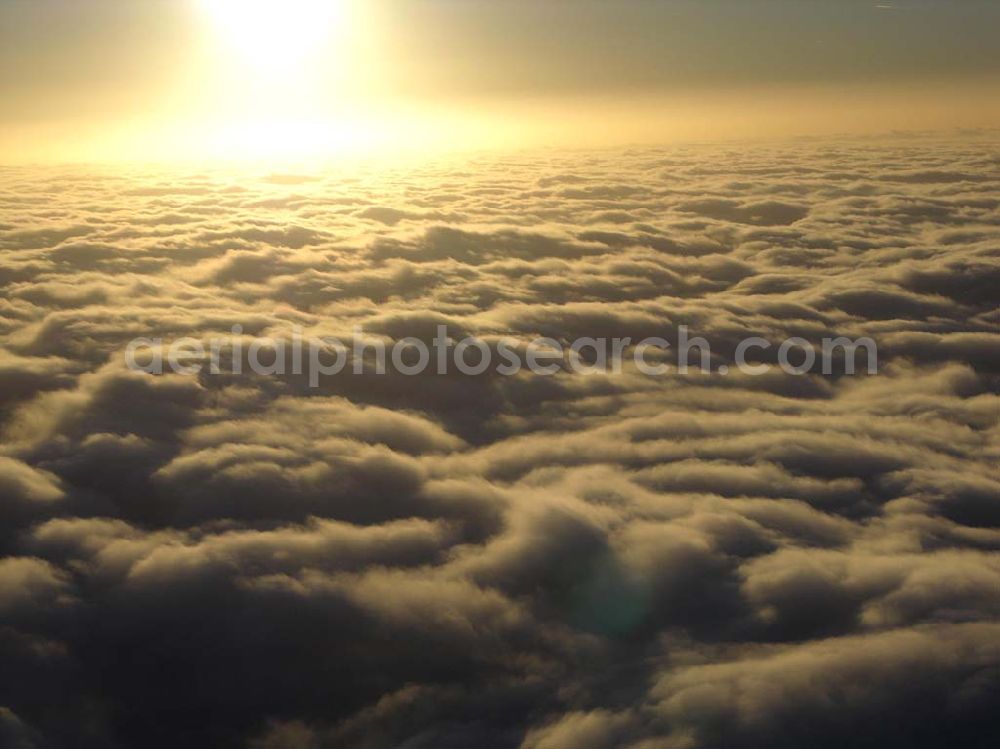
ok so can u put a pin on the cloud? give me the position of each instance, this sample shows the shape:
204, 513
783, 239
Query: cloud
782, 697
604, 561
28, 585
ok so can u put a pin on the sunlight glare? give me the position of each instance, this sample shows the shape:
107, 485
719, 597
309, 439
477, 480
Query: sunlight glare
276, 34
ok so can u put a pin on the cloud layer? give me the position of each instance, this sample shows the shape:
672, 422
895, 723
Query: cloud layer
567, 562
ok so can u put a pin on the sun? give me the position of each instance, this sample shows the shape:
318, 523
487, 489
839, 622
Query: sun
276, 35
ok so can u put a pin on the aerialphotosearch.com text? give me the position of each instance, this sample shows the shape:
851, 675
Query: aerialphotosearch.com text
318, 357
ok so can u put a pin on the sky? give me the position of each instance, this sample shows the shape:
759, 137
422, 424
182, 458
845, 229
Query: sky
169, 78
253, 548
